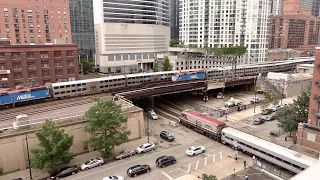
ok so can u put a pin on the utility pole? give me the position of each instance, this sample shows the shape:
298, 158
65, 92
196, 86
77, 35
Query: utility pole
28, 156
255, 94
282, 90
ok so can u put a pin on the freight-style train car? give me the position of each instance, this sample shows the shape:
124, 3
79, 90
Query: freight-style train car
204, 124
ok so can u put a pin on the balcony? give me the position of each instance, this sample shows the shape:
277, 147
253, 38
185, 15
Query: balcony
316, 97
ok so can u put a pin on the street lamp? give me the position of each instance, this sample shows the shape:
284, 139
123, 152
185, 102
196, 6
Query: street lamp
124, 66
28, 156
255, 94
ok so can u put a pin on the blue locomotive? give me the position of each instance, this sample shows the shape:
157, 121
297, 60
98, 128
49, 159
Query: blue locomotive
190, 75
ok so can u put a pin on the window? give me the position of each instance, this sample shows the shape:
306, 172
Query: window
118, 57
132, 57
110, 57
45, 73
124, 57
57, 53
70, 71
58, 64
145, 56
139, 57
45, 64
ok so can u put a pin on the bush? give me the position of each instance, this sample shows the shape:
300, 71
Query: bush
1, 171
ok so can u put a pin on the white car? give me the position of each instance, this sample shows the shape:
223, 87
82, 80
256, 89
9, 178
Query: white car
194, 150
91, 163
145, 148
113, 178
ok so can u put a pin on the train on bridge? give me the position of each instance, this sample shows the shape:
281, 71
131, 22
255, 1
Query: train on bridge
121, 82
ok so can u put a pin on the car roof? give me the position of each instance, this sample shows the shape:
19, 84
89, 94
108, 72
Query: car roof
146, 144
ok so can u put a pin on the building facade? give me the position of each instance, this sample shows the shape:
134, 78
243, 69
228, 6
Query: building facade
309, 133
33, 65
82, 26
226, 23
277, 7
130, 33
316, 8
174, 19
33, 21
296, 30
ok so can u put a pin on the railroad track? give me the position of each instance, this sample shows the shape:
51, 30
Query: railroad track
47, 106
166, 115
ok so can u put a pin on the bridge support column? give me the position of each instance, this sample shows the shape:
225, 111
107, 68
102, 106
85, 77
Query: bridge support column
151, 102
205, 96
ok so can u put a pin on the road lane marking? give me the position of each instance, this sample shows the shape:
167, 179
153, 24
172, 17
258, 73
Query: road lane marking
128, 162
205, 161
197, 165
207, 154
214, 158
167, 175
189, 169
220, 155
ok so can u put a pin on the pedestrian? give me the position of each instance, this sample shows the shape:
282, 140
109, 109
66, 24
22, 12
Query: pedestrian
245, 164
254, 159
246, 177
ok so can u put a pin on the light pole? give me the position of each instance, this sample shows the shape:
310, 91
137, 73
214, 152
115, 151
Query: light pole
282, 90
255, 94
28, 156
124, 66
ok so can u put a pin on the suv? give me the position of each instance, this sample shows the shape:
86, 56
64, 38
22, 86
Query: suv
145, 148
258, 121
164, 161
138, 169
167, 136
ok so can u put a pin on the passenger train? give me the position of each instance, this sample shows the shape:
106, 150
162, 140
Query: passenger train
119, 82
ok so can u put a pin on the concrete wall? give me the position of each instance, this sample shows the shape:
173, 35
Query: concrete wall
13, 150
308, 138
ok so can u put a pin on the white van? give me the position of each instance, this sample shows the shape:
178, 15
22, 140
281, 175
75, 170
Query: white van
152, 115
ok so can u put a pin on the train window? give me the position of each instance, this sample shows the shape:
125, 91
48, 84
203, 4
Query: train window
73, 90
101, 86
67, 86
78, 84
78, 89
129, 82
84, 89
83, 84
61, 86
106, 86
68, 91
56, 93
73, 85
106, 81
62, 92
57, 87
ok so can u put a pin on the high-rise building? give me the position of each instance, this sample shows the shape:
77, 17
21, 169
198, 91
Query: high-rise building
316, 8
82, 26
33, 21
174, 19
209, 23
277, 6
130, 33
309, 133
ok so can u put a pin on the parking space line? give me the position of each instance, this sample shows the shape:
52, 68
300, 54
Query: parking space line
207, 154
167, 175
205, 161
220, 155
197, 165
189, 168
214, 158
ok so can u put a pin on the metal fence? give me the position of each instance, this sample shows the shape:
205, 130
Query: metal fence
273, 169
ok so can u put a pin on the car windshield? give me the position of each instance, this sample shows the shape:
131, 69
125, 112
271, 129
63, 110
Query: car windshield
192, 148
153, 114
170, 135
142, 146
113, 177
87, 162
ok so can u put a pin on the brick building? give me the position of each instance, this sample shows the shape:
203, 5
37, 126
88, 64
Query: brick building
295, 30
35, 21
32, 65
309, 133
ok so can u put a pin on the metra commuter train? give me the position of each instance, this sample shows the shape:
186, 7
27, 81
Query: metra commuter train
118, 82
249, 144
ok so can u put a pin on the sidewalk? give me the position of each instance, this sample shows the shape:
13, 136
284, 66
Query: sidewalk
39, 174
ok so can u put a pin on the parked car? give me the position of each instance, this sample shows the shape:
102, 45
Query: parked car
113, 178
138, 169
164, 161
258, 121
255, 100
152, 115
283, 105
194, 150
219, 95
126, 153
145, 148
167, 136
91, 163
64, 172
270, 117
267, 111
276, 108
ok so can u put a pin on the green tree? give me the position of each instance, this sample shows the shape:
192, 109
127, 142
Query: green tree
156, 65
166, 64
173, 42
269, 98
208, 177
55, 145
88, 66
302, 105
104, 124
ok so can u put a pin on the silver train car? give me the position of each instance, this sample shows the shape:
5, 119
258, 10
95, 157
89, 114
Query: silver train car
271, 152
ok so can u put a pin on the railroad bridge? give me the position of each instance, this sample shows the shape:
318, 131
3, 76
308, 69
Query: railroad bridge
171, 87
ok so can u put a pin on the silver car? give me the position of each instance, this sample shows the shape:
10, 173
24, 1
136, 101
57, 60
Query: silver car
91, 163
126, 153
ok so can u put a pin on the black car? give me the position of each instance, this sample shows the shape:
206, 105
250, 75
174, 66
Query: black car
267, 111
167, 136
64, 172
258, 121
164, 161
138, 169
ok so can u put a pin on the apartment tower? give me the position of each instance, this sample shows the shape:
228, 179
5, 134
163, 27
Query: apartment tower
35, 21
209, 23
130, 33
